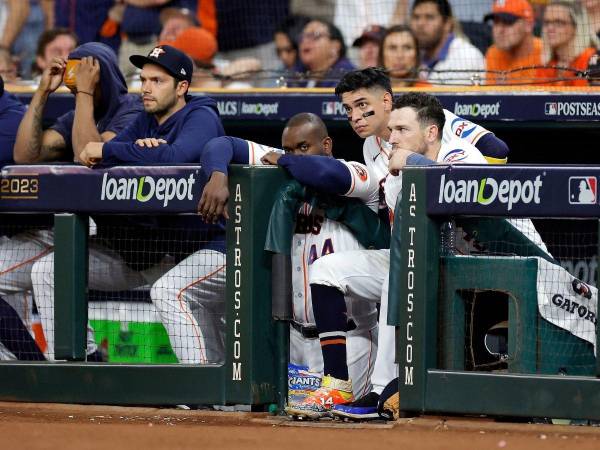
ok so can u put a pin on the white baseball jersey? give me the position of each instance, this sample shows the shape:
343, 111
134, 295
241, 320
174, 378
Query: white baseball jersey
316, 236
376, 151
457, 127
451, 152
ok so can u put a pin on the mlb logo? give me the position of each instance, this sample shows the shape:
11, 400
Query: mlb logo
328, 108
551, 109
583, 190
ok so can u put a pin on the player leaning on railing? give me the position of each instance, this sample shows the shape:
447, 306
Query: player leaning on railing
318, 228
367, 97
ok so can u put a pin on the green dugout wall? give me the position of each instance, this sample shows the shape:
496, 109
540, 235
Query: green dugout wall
424, 294
254, 372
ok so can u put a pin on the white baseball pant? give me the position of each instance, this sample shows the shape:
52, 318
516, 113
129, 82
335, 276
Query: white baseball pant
190, 299
364, 275
107, 272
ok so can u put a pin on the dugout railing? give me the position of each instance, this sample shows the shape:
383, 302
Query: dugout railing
428, 286
255, 368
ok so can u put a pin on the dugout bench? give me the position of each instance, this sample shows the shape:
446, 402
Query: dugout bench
255, 369
427, 299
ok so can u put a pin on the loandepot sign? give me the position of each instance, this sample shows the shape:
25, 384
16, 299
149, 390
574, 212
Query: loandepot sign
486, 191
146, 188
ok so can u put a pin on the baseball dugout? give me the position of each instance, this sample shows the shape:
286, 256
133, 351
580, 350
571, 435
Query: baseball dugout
144, 370
482, 308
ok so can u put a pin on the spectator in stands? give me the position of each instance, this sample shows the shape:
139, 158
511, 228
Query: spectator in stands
322, 54
140, 27
174, 21
450, 58
351, 16
593, 11
15, 15
89, 20
514, 46
369, 44
400, 55
200, 46
467, 15
53, 43
594, 69
287, 37
8, 68
246, 30
21, 22
26, 43
568, 42
11, 113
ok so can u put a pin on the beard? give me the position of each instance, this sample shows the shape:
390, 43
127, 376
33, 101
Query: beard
160, 108
431, 42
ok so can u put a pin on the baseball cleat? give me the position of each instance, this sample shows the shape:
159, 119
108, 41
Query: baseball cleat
319, 403
364, 408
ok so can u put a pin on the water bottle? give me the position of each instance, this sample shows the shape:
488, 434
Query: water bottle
448, 238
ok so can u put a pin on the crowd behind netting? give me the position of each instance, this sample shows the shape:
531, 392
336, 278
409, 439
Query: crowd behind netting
311, 43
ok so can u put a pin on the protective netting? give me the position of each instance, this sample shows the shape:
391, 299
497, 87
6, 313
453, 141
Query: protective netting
310, 43
156, 292
508, 305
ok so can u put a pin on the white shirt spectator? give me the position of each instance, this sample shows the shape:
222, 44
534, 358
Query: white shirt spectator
468, 10
352, 16
456, 54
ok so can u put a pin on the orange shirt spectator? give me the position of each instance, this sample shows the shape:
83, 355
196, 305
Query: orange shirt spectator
514, 46
206, 13
569, 43
579, 63
500, 60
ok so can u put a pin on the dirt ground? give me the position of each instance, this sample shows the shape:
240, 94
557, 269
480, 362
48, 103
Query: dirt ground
53, 426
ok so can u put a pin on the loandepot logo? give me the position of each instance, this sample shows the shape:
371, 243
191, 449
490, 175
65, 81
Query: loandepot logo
146, 188
488, 190
260, 109
477, 109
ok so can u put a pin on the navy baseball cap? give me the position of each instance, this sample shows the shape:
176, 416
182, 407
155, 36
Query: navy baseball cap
174, 61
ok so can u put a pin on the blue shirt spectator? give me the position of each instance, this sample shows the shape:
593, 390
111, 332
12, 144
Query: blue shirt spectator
85, 18
11, 113
322, 55
243, 23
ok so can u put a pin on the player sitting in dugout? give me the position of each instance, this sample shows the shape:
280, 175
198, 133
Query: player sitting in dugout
306, 141
103, 107
168, 131
367, 96
323, 174
160, 133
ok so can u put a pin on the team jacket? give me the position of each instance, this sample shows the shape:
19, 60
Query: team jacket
186, 132
117, 108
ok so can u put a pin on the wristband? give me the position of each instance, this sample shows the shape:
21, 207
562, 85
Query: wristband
84, 92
